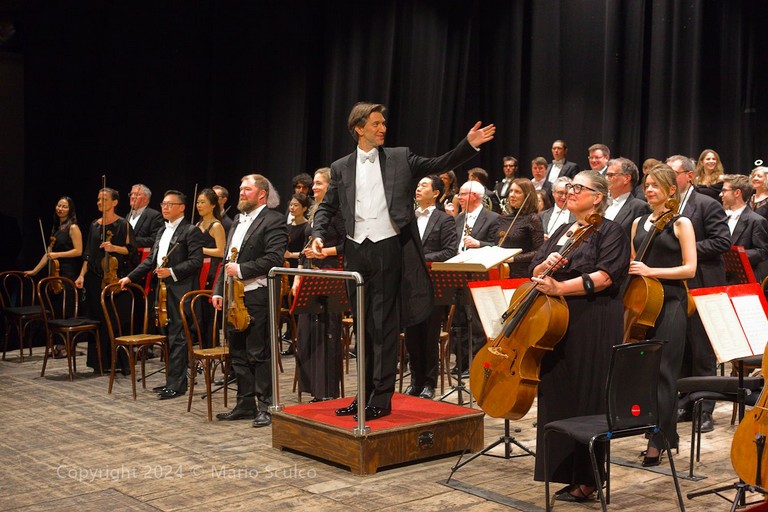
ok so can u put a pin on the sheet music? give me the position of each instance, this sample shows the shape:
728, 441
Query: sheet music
753, 321
719, 319
508, 293
490, 304
477, 260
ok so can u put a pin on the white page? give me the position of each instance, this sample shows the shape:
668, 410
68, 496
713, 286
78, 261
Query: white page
490, 304
753, 321
722, 326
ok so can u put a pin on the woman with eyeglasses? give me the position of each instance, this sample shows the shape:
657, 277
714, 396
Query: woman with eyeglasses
671, 258
207, 204
759, 200
573, 375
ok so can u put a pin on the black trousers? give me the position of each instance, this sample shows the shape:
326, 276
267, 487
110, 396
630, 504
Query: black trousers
422, 341
698, 359
250, 354
380, 266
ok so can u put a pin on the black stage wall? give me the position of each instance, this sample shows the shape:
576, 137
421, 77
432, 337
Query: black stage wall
174, 93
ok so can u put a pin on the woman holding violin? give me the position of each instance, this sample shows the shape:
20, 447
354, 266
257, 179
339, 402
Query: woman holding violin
669, 257
318, 355
110, 253
573, 375
66, 242
213, 232
522, 228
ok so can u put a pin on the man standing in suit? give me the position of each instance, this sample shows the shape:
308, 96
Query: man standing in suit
748, 229
712, 240
373, 188
475, 227
501, 190
554, 217
539, 180
223, 195
145, 221
182, 244
437, 233
622, 176
599, 154
560, 167
260, 236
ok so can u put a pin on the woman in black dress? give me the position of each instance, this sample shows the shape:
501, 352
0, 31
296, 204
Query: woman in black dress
759, 200
109, 235
213, 232
671, 258
318, 355
527, 232
67, 244
573, 375
297, 238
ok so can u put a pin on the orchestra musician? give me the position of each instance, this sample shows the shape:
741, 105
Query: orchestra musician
67, 247
109, 236
176, 257
712, 240
671, 258
449, 200
573, 375
759, 200
319, 336
223, 195
622, 177
144, 221
297, 227
372, 187
212, 229
437, 233
260, 235
527, 232
558, 215
747, 228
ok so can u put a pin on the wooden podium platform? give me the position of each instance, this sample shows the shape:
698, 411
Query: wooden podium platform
417, 429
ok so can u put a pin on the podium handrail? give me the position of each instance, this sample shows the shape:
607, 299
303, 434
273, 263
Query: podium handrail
274, 303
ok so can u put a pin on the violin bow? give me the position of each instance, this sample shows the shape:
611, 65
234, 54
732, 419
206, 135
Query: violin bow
513, 220
194, 206
42, 234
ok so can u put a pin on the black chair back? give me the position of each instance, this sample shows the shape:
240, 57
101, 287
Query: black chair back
631, 390
17, 290
58, 297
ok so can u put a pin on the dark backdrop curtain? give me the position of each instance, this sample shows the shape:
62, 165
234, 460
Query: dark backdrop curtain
174, 94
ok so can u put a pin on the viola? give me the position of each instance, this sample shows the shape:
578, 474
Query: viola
748, 454
108, 265
237, 313
644, 296
504, 376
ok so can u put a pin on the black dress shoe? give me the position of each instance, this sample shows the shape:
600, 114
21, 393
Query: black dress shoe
236, 414
683, 415
427, 392
262, 419
349, 410
230, 378
169, 394
287, 352
372, 413
159, 389
412, 390
707, 424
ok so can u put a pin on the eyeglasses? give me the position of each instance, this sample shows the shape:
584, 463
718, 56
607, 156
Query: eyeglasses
576, 188
724, 190
167, 204
510, 165
610, 175
560, 193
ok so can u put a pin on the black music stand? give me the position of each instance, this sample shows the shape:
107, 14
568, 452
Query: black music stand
450, 288
738, 270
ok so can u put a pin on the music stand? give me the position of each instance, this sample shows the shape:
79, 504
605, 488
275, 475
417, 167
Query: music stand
738, 270
450, 287
317, 295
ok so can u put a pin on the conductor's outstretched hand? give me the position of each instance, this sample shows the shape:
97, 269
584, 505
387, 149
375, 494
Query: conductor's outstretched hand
478, 136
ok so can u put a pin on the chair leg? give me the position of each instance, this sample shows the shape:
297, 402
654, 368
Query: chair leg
546, 473
70, 348
226, 376
674, 472
132, 366
48, 350
112, 370
596, 472
192, 374
98, 351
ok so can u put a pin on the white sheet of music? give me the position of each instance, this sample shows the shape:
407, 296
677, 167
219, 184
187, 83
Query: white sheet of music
722, 326
490, 304
753, 321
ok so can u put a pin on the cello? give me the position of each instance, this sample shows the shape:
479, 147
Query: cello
644, 296
504, 376
749, 456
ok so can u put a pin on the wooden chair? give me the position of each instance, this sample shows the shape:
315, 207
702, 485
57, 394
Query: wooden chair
59, 299
126, 312
208, 360
18, 303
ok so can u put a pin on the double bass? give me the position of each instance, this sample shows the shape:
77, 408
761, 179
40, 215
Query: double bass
644, 296
749, 456
504, 376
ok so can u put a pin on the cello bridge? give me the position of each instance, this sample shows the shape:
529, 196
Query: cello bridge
498, 352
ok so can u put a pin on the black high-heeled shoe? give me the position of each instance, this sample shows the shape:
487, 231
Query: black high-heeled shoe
581, 497
652, 461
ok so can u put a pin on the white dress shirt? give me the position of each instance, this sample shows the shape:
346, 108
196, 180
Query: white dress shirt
558, 218
372, 218
733, 217
613, 209
422, 219
165, 242
244, 222
134, 216
554, 172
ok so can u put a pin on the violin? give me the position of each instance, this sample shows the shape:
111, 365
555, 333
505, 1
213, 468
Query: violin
234, 294
54, 268
644, 296
108, 265
161, 298
748, 454
504, 376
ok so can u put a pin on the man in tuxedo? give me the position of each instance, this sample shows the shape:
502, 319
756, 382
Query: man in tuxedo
145, 221
622, 176
475, 227
558, 215
539, 179
712, 240
560, 166
260, 236
373, 188
748, 229
437, 233
501, 190
182, 244
223, 195
599, 154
